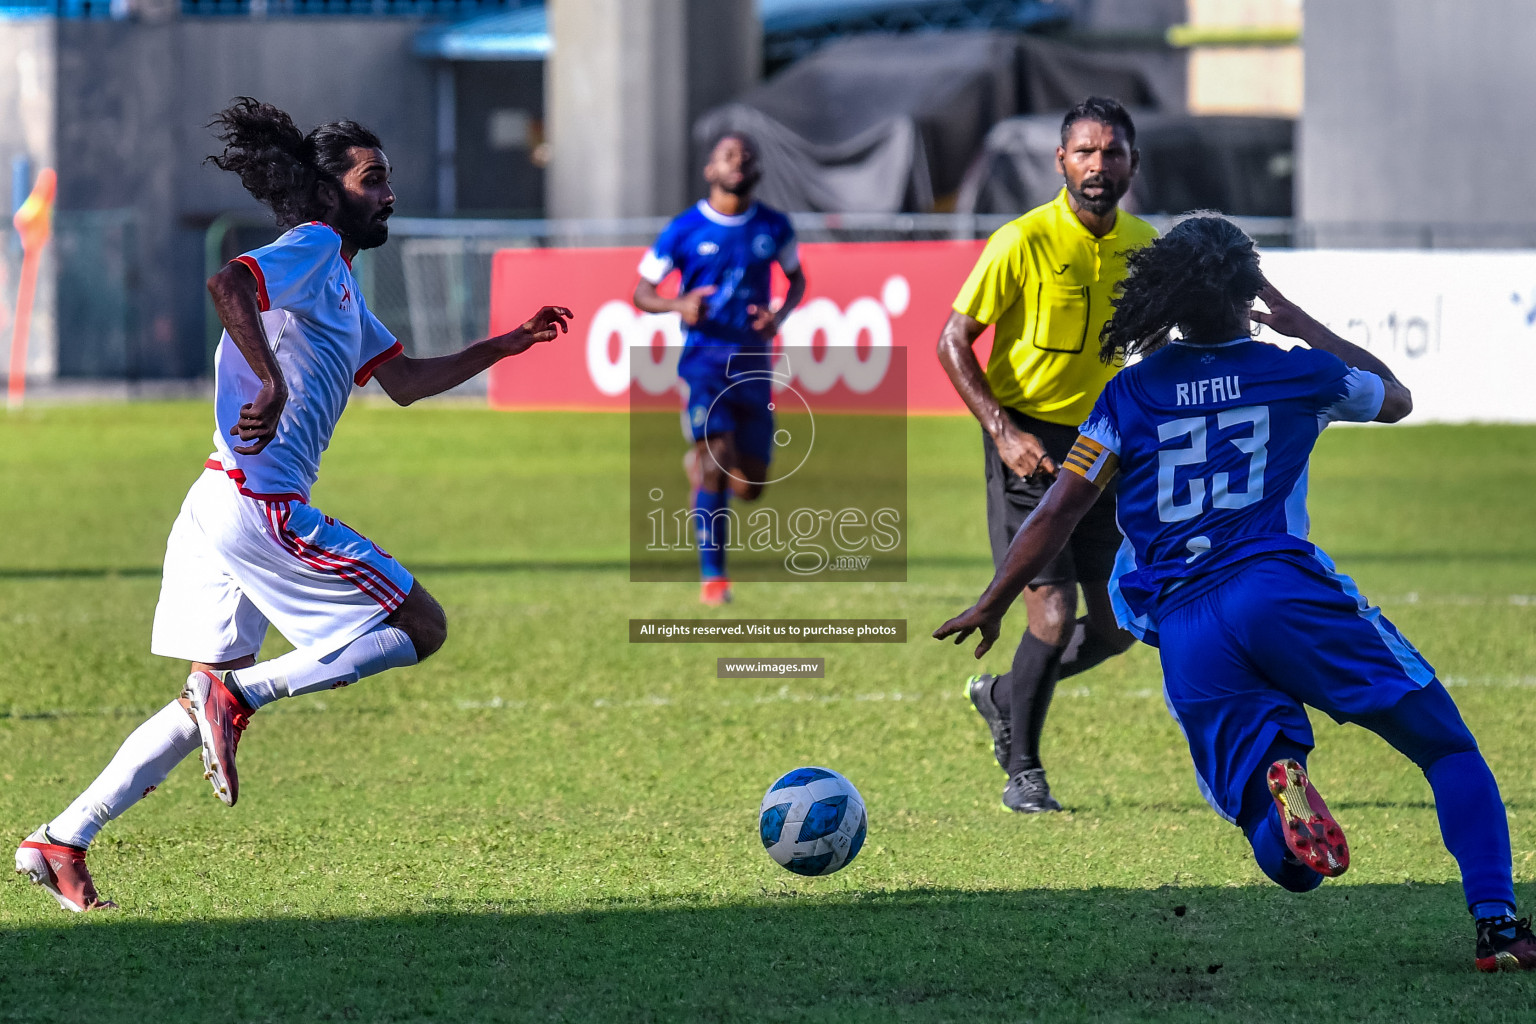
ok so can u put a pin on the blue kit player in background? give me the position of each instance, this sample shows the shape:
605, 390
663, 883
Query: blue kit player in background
725, 247
1211, 436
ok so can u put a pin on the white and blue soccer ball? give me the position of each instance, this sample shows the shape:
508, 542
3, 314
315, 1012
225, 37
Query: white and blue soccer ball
812, 821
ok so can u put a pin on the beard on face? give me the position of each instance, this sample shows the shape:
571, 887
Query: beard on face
743, 185
1113, 192
359, 224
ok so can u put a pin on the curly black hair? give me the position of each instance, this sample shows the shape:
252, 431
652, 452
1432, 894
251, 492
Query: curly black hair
1198, 278
280, 165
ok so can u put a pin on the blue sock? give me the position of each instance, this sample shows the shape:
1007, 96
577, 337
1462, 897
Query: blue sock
713, 531
1495, 909
1275, 858
1475, 829
1260, 821
1427, 727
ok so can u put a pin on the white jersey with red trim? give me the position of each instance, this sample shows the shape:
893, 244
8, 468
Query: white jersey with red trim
326, 341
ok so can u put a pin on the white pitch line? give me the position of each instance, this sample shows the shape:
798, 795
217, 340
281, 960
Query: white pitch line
1462, 600
1499, 681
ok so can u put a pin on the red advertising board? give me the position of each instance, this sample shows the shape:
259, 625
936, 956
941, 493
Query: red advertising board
861, 298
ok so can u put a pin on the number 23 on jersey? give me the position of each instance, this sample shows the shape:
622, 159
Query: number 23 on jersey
1210, 486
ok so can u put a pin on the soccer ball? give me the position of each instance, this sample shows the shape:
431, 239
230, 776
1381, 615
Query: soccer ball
812, 821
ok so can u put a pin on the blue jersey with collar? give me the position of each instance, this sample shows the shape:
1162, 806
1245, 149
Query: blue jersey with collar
735, 255
1213, 445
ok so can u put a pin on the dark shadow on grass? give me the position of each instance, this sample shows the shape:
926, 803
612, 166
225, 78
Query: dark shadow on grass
78, 572
1369, 952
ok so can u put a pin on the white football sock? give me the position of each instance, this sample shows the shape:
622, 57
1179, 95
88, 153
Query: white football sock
301, 672
141, 763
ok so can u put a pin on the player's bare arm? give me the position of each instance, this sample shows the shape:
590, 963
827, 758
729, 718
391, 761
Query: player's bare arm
1042, 537
235, 299
1287, 318
1021, 452
406, 380
689, 305
766, 320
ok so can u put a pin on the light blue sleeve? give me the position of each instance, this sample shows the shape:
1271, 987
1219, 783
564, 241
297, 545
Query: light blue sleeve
1342, 392
1102, 424
1363, 394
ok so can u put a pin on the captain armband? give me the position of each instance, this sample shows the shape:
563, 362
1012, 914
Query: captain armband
1092, 461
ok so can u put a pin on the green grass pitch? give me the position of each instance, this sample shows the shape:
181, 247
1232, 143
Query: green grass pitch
547, 823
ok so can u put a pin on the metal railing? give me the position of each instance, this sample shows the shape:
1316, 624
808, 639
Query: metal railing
88, 300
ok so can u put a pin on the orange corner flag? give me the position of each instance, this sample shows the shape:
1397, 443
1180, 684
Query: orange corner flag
34, 222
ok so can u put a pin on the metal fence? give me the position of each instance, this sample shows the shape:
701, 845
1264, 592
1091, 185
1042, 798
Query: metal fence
431, 284
87, 296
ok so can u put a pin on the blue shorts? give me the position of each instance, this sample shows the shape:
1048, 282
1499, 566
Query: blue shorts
721, 397
1241, 659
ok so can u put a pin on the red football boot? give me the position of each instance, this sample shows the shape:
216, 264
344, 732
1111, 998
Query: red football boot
1310, 831
715, 592
220, 720
61, 870
1505, 945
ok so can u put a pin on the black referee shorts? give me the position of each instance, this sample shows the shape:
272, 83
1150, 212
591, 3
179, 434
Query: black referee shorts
1089, 556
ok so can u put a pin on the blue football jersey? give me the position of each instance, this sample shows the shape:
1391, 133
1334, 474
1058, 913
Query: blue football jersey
734, 254
1213, 445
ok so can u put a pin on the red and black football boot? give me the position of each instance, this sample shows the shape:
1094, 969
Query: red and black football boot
1504, 944
1310, 831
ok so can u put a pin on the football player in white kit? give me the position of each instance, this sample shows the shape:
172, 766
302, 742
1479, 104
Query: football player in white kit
248, 550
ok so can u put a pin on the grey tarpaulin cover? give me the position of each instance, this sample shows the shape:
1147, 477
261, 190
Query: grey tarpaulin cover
886, 123
1239, 165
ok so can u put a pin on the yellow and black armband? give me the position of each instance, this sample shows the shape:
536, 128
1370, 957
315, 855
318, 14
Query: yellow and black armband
1092, 461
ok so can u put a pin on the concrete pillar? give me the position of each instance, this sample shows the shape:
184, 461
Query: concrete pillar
725, 52
725, 59
624, 82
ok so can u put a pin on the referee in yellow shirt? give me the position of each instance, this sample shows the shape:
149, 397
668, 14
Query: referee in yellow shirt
1045, 282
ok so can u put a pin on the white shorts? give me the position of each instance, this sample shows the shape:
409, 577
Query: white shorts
234, 563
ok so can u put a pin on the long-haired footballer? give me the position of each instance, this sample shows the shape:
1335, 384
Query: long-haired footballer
248, 549
1210, 435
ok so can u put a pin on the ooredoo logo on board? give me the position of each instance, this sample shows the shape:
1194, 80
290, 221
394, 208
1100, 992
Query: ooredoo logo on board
863, 300
851, 344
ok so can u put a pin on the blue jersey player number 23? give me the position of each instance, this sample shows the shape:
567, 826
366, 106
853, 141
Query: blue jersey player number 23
1210, 436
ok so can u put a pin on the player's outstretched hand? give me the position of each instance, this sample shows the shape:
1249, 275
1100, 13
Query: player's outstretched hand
765, 321
691, 306
545, 325
971, 620
259, 418
1284, 316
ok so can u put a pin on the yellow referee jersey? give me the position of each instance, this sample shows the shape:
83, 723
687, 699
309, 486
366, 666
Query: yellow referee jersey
1045, 281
